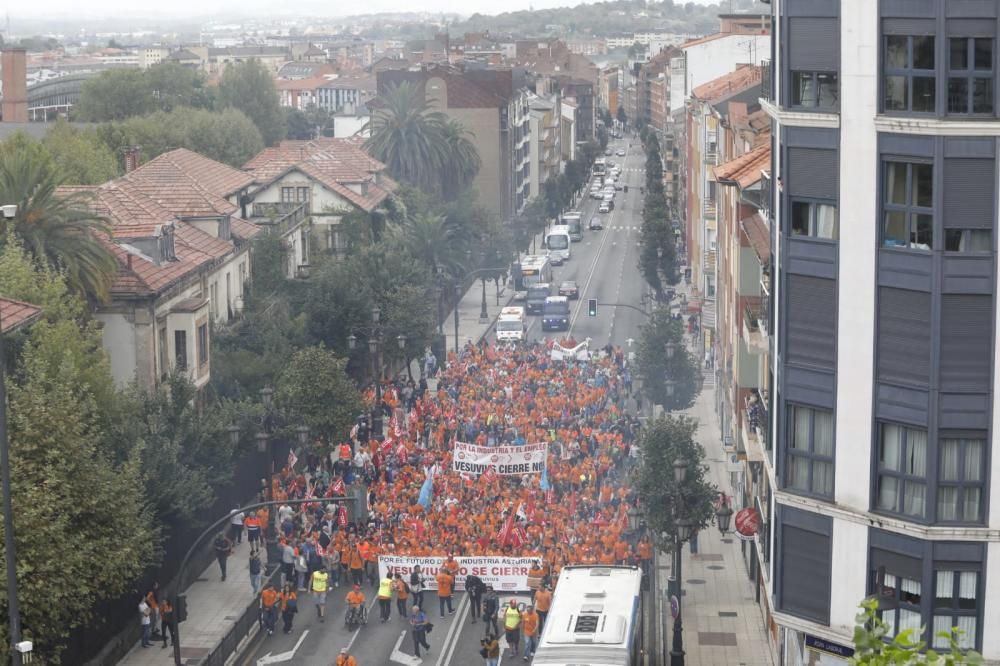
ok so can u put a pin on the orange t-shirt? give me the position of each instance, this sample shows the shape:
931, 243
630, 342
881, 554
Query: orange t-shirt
444, 581
268, 597
543, 600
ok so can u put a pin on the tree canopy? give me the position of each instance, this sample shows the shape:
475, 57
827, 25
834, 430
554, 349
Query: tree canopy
314, 389
119, 94
657, 367
248, 87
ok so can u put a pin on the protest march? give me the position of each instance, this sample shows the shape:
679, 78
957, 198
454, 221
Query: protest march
514, 467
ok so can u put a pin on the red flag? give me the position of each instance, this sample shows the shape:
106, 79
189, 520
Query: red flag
401, 451
337, 487
342, 518
518, 537
623, 517
386, 446
490, 475
506, 531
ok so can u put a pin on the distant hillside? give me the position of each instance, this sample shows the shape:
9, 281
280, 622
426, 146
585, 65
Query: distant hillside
607, 18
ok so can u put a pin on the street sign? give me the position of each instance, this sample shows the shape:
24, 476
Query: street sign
675, 606
747, 522
828, 647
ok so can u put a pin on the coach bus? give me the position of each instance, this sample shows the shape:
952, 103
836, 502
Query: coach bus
595, 618
600, 166
533, 269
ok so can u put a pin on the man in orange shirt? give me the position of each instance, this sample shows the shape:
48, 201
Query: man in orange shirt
529, 628
543, 601
445, 583
269, 607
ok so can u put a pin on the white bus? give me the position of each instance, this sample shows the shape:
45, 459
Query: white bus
574, 221
557, 241
533, 269
600, 166
595, 618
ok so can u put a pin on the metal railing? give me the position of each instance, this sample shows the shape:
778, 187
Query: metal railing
709, 209
765, 81
240, 631
758, 418
750, 318
279, 218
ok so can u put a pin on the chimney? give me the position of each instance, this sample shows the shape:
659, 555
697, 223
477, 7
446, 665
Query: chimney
131, 158
14, 106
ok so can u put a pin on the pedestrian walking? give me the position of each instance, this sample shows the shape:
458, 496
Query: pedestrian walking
475, 586
301, 568
252, 523
145, 619
256, 571
289, 607
270, 600
512, 626
236, 518
166, 621
491, 606
417, 585
385, 598
319, 582
152, 600
445, 583
287, 562
543, 601
345, 658
332, 563
419, 625
223, 549
529, 628
402, 595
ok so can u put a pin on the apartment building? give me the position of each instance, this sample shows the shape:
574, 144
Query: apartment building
494, 109
882, 323
545, 135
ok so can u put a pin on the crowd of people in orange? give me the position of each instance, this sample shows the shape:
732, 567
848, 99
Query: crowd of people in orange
575, 512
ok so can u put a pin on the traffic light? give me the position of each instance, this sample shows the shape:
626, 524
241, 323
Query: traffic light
592, 307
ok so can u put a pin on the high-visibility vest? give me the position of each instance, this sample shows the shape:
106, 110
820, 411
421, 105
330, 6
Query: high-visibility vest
319, 580
385, 589
511, 618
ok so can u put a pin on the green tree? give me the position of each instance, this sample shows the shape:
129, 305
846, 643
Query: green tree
461, 162
63, 480
60, 229
663, 442
602, 137
81, 158
299, 125
433, 240
119, 94
249, 87
657, 366
872, 646
314, 389
405, 134
622, 116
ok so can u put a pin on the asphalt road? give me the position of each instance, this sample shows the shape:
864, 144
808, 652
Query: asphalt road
605, 266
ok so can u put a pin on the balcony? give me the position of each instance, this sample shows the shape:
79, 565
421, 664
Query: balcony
711, 155
756, 428
708, 209
765, 81
279, 218
755, 330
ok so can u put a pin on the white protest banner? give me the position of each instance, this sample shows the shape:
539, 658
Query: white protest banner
503, 460
505, 574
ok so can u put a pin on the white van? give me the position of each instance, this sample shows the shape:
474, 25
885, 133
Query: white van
510, 325
557, 242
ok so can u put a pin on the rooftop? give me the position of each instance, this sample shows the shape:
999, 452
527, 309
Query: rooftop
14, 314
729, 84
744, 170
756, 231
214, 177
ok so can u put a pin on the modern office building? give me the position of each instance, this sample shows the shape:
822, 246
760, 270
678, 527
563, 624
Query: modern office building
883, 324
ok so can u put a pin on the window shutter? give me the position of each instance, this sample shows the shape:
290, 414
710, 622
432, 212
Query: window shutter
966, 342
904, 337
813, 172
969, 193
814, 44
805, 573
812, 322
971, 27
909, 26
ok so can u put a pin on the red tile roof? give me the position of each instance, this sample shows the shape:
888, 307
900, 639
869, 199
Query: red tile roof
14, 314
729, 84
337, 164
219, 179
745, 170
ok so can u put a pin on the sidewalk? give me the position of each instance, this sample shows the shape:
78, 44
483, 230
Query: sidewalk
723, 624
213, 608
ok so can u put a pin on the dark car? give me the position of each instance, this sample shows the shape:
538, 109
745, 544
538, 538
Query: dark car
595, 223
569, 289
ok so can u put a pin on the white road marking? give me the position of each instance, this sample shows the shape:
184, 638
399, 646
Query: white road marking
454, 631
284, 656
357, 631
400, 657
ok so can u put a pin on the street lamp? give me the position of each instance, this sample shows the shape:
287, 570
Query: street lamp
670, 385
267, 397
375, 353
671, 348
683, 530
723, 516
483, 314
458, 298
303, 434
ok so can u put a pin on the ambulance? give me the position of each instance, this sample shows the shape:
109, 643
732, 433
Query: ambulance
510, 325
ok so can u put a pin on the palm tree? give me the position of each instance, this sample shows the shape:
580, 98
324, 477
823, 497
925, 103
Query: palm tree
407, 135
58, 229
462, 162
434, 240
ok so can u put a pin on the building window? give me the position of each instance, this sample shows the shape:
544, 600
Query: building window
956, 604
970, 75
815, 220
302, 194
902, 471
180, 350
968, 240
164, 353
960, 480
908, 63
287, 195
815, 89
202, 344
809, 466
906, 594
908, 205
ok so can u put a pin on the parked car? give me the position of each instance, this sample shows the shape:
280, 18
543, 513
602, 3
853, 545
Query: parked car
569, 290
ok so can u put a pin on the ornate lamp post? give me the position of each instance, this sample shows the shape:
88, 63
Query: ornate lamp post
375, 353
683, 531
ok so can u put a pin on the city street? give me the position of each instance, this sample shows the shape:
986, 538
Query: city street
604, 265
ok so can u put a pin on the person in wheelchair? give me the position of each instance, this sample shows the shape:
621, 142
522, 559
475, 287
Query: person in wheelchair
356, 606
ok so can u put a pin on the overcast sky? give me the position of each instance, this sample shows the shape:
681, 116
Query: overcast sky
64, 9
